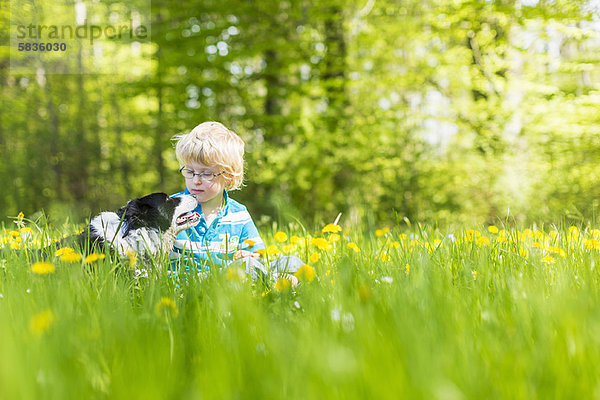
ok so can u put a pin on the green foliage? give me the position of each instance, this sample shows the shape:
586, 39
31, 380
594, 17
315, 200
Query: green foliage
436, 110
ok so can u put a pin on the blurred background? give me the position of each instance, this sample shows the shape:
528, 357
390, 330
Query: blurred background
433, 110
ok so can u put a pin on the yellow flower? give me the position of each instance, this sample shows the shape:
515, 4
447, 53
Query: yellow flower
557, 250
273, 250
483, 241
537, 245
249, 242
93, 258
474, 273
62, 251
595, 233
282, 285
42, 268
333, 237
288, 248
305, 273
331, 228
20, 215
548, 260
26, 230
524, 253
40, 323
281, 237
407, 269
132, 256
354, 247
573, 233
15, 245
471, 234
15, 233
314, 257
492, 229
320, 243
384, 257
395, 245
235, 275
262, 252
294, 239
381, 232
166, 306
71, 257
591, 244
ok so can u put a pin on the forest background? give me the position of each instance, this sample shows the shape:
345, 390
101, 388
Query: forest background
447, 111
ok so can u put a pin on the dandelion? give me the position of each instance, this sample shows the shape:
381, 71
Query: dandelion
537, 245
132, 256
557, 250
14, 234
294, 239
483, 241
407, 269
320, 243
40, 323
492, 229
262, 252
314, 257
591, 244
381, 232
249, 242
384, 257
71, 257
573, 233
288, 248
548, 260
15, 245
281, 237
166, 306
305, 273
93, 258
524, 253
471, 234
63, 251
354, 247
474, 273
273, 250
331, 228
282, 285
333, 237
42, 268
395, 245
20, 215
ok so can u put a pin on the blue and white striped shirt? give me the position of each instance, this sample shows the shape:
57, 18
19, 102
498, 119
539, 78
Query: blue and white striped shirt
231, 230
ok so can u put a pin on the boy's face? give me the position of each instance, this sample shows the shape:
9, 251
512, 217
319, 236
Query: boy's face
206, 192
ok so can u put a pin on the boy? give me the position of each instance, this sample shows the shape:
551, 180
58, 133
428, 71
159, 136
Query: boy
212, 160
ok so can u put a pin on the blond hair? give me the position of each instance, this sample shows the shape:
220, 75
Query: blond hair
211, 143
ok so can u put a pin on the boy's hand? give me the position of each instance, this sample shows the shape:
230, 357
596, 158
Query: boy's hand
244, 253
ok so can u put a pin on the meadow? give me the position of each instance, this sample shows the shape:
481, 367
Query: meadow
411, 311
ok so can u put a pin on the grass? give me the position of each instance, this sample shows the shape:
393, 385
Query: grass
416, 313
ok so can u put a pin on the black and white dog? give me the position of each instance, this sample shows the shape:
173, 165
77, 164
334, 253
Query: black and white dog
146, 226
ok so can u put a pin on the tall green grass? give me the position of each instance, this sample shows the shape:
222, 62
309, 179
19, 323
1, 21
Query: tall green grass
417, 313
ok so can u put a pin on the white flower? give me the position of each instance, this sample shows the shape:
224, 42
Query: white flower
387, 279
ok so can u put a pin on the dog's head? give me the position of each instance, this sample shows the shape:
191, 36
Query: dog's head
161, 212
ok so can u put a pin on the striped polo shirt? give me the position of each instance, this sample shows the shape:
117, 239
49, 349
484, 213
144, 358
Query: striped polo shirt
231, 230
